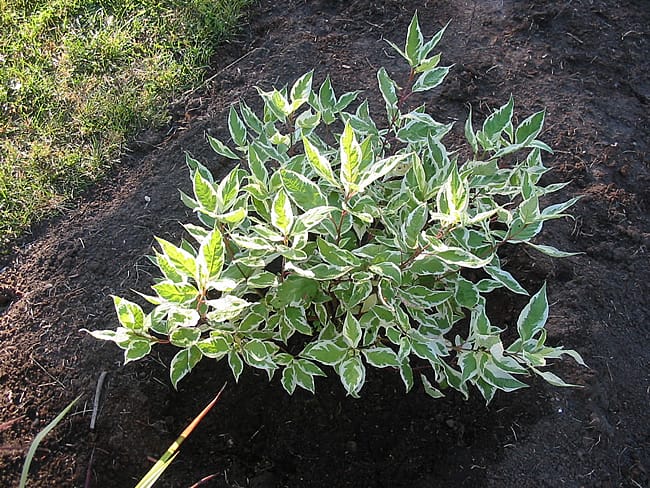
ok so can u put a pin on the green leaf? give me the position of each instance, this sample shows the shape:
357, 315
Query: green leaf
282, 213
506, 279
422, 297
236, 127
301, 89
220, 148
333, 254
552, 378
380, 169
205, 193
326, 95
430, 79
215, 347
129, 314
296, 317
497, 121
179, 293
236, 364
430, 389
414, 40
387, 87
381, 357
136, 349
469, 133
534, 315
311, 218
211, 257
304, 192
353, 374
226, 308
351, 330
179, 258
320, 164
552, 251
182, 363
351, 156
433, 42
184, 336
406, 373
324, 351
499, 378
289, 380
530, 128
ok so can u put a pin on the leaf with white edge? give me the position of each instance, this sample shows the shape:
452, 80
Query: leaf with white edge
220, 148
326, 95
181, 317
470, 135
182, 260
304, 192
136, 349
460, 257
205, 193
182, 363
288, 379
433, 42
428, 64
423, 297
552, 378
353, 375
534, 315
556, 211
319, 163
263, 279
381, 357
296, 317
414, 40
215, 347
184, 336
226, 308
498, 120
129, 314
506, 279
178, 293
302, 88
429, 389
236, 127
387, 87
530, 128
236, 364
379, 169
211, 257
487, 390
406, 373
431, 79
388, 270
281, 213
324, 351
311, 218
351, 156
351, 330
333, 254
499, 378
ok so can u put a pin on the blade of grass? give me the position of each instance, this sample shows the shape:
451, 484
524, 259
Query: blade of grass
39, 438
170, 454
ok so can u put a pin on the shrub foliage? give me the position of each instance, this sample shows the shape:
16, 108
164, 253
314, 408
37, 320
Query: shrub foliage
338, 244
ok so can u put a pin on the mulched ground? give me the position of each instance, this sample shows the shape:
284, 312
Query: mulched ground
586, 61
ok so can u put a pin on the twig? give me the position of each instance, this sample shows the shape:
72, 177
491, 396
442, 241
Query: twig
211, 78
98, 392
47, 372
202, 481
89, 471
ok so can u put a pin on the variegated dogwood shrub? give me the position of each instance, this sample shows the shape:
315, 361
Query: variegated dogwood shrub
337, 244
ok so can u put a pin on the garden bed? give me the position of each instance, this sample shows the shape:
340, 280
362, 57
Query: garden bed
585, 62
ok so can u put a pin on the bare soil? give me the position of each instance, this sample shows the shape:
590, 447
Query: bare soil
585, 61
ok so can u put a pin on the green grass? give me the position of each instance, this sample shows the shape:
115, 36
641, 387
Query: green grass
78, 77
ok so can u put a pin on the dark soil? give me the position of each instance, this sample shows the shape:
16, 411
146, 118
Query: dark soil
585, 61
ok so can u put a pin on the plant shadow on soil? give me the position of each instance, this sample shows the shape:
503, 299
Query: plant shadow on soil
584, 61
